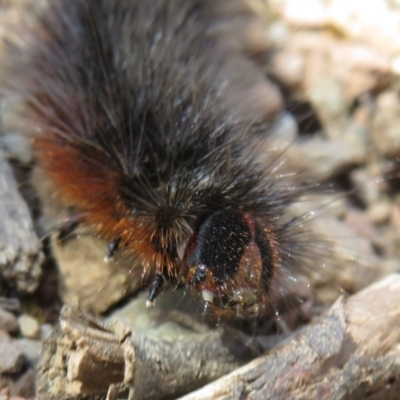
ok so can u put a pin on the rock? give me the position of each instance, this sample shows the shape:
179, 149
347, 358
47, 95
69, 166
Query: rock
86, 277
327, 95
17, 147
386, 124
289, 66
356, 137
379, 213
31, 350
45, 331
367, 193
322, 159
23, 387
29, 326
278, 34
10, 304
8, 322
377, 24
81, 260
11, 356
285, 129
20, 249
157, 320
340, 257
361, 224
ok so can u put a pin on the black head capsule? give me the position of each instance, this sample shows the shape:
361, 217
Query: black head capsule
231, 261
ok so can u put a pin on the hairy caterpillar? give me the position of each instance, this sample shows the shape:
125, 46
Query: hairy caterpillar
140, 121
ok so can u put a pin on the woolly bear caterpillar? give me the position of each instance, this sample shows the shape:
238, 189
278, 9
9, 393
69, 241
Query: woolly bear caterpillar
131, 110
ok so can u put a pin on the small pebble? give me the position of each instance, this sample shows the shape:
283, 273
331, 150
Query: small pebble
45, 331
385, 127
278, 34
285, 129
361, 224
29, 326
17, 147
356, 135
379, 213
366, 189
289, 67
327, 95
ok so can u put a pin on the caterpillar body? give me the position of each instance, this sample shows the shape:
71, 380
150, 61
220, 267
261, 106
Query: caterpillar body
139, 120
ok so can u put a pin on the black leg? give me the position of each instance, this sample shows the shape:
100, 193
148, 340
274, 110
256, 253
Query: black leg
113, 246
68, 228
154, 289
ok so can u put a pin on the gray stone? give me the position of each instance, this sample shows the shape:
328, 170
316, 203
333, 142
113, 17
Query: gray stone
20, 249
322, 159
8, 322
11, 356
31, 350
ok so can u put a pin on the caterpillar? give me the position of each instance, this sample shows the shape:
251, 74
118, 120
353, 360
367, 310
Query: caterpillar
141, 121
